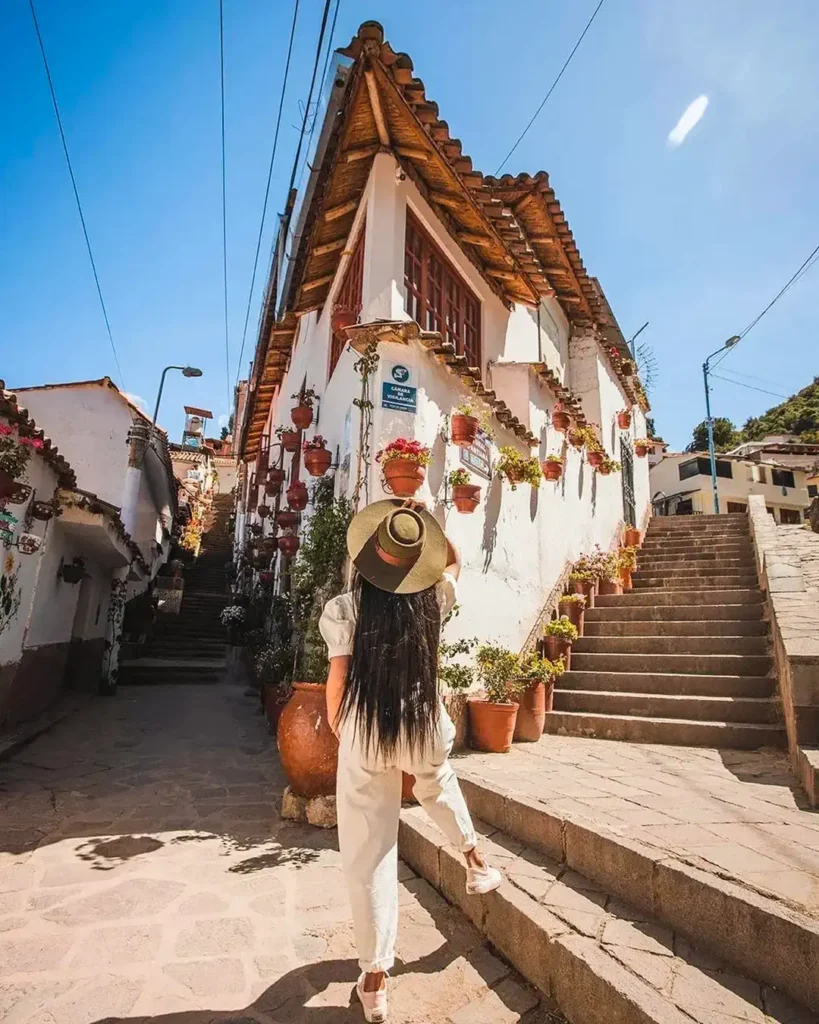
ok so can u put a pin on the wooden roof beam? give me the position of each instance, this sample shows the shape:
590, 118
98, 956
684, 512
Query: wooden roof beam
377, 109
472, 239
446, 199
322, 250
411, 153
334, 212
317, 282
362, 153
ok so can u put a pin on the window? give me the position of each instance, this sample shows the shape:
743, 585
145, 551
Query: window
436, 297
689, 468
757, 475
702, 467
737, 506
790, 516
782, 478
813, 490
349, 296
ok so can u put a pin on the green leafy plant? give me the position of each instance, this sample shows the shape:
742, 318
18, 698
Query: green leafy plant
15, 453
573, 599
554, 458
404, 448
561, 628
517, 468
455, 676
627, 559
459, 478
536, 667
587, 437
609, 566
306, 397
580, 576
610, 465
499, 673
478, 412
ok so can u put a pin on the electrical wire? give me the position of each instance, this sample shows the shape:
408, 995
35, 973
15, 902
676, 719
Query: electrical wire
552, 87
321, 81
267, 188
224, 199
750, 376
739, 383
76, 190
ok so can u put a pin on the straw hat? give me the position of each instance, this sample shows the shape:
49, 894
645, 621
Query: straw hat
397, 548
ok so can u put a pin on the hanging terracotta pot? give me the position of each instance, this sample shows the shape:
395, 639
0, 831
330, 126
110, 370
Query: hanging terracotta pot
317, 461
42, 510
466, 497
632, 538
624, 419
609, 587
272, 488
641, 450
407, 784
256, 529
492, 726
302, 416
595, 458
553, 470
561, 420
276, 475
264, 511
464, 429
575, 612
290, 439
404, 477
534, 703
513, 474
575, 438
288, 545
627, 368
297, 495
12, 490
307, 746
603, 470
557, 647
287, 520
267, 577
343, 317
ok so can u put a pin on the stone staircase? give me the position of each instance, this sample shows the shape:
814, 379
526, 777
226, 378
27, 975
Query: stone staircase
190, 647
682, 658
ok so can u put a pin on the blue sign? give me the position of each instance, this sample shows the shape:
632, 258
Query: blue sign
400, 374
400, 397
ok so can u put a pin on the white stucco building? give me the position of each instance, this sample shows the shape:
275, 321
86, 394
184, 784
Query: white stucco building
474, 289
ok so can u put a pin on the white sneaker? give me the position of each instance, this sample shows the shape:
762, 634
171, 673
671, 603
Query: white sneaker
374, 1004
480, 881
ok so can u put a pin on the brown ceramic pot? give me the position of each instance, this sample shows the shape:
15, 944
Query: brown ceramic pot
407, 783
561, 420
317, 461
272, 488
307, 746
464, 429
624, 420
297, 495
575, 612
264, 511
531, 718
290, 440
556, 647
609, 587
288, 545
302, 416
595, 458
342, 317
625, 579
492, 726
553, 470
456, 708
575, 439
287, 520
404, 477
641, 450
632, 538
465, 497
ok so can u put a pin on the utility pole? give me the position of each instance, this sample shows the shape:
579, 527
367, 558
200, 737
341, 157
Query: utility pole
733, 340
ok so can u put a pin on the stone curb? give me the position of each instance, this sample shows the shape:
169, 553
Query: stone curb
762, 938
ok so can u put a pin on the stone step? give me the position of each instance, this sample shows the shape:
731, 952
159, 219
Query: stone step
700, 664
672, 612
699, 708
677, 627
676, 731
680, 548
701, 570
696, 564
688, 596
670, 683
760, 936
707, 532
675, 645
150, 663
698, 582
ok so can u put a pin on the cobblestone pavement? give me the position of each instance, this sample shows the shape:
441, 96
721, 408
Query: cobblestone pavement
738, 814
145, 876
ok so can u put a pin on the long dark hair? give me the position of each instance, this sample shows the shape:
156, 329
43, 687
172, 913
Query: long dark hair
392, 688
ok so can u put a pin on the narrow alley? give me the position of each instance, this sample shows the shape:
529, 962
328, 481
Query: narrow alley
145, 876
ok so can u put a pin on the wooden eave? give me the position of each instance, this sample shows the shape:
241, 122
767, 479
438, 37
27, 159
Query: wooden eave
266, 382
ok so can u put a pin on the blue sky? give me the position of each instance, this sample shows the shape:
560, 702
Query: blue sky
695, 239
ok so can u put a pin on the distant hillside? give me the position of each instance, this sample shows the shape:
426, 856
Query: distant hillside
798, 415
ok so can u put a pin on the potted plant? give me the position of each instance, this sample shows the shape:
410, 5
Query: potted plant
343, 317
297, 495
256, 529
553, 467
609, 579
317, 459
289, 438
608, 466
632, 537
627, 563
537, 699
14, 456
558, 637
465, 424
573, 606
287, 520
404, 465
561, 420
288, 544
232, 618
581, 581
456, 678
74, 571
275, 479
624, 419
464, 492
642, 446
263, 511
43, 510
627, 367
492, 719
517, 468
268, 576
302, 414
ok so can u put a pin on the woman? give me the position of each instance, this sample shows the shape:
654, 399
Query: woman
383, 702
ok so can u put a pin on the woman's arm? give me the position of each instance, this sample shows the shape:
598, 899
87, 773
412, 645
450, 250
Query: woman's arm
336, 681
453, 557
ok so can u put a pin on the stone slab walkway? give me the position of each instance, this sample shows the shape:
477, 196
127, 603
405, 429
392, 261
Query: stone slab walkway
737, 814
145, 876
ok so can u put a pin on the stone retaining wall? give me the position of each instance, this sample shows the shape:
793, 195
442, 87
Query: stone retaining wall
788, 563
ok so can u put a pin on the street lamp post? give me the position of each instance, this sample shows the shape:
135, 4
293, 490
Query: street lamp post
187, 371
733, 340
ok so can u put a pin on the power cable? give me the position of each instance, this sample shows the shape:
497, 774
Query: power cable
76, 191
739, 383
267, 187
321, 80
750, 376
552, 87
224, 198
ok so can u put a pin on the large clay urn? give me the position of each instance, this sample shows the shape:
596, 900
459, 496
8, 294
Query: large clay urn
534, 703
558, 647
588, 588
609, 588
632, 539
492, 725
575, 612
307, 746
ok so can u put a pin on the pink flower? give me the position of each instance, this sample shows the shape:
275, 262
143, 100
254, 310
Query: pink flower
32, 442
5, 430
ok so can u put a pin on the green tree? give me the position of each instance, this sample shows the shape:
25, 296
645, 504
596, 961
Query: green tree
726, 436
650, 428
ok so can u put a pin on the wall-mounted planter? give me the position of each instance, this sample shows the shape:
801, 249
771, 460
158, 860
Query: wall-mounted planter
288, 545
464, 429
575, 438
641, 450
42, 510
29, 543
12, 490
466, 497
302, 416
595, 458
297, 495
73, 572
287, 520
317, 461
272, 488
264, 511
561, 420
290, 439
624, 419
404, 477
342, 318
552, 470
603, 469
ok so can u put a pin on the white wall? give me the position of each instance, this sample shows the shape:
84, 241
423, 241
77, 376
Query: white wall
55, 602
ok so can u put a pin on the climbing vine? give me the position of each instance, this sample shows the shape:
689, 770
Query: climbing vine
9, 592
366, 367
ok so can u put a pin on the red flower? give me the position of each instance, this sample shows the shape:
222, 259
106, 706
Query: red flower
32, 442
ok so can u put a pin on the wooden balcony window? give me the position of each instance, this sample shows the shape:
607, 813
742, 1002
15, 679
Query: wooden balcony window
349, 296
